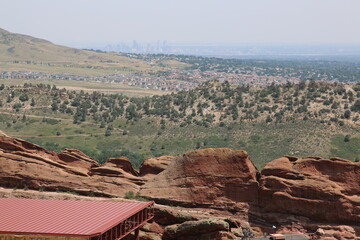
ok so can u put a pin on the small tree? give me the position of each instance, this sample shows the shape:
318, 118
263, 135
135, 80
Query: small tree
32, 102
347, 114
356, 106
107, 132
54, 106
24, 97
17, 106
268, 119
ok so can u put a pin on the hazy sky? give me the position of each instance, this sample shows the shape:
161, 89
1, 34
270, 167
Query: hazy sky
235, 21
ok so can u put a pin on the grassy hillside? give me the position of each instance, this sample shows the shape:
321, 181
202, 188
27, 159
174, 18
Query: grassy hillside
311, 119
25, 53
146, 138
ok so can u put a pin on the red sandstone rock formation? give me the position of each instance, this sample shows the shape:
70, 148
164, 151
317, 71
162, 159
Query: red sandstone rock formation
123, 163
153, 166
10, 144
321, 189
292, 192
26, 165
78, 159
206, 177
197, 229
119, 168
335, 233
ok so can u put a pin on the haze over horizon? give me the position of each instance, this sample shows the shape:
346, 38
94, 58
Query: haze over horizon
84, 22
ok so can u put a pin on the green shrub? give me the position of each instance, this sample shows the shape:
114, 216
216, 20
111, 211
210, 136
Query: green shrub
132, 195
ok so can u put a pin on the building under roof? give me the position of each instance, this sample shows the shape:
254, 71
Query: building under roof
37, 219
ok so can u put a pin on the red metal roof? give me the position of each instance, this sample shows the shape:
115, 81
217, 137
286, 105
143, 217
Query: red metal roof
63, 218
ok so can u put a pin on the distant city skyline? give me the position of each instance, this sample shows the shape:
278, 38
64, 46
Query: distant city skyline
233, 50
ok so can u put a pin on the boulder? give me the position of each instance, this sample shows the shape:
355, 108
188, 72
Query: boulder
206, 177
152, 227
201, 226
339, 232
168, 216
195, 229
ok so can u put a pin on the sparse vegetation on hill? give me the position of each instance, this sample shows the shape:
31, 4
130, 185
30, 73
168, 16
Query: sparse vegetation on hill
211, 103
302, 119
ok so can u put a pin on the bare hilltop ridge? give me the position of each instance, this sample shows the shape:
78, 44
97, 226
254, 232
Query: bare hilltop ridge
22, 49
304, 195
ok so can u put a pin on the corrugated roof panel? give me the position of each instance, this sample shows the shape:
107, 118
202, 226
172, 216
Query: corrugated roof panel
65, 218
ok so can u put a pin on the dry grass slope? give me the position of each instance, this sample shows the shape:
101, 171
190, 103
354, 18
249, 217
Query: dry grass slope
17, 51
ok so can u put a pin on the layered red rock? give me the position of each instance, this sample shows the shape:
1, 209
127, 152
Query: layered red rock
78, 159
153, 166
197, 229
301, 190
320, 189
26, 165
206, 177
10, 144
123, 163
335, 233
120, 168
